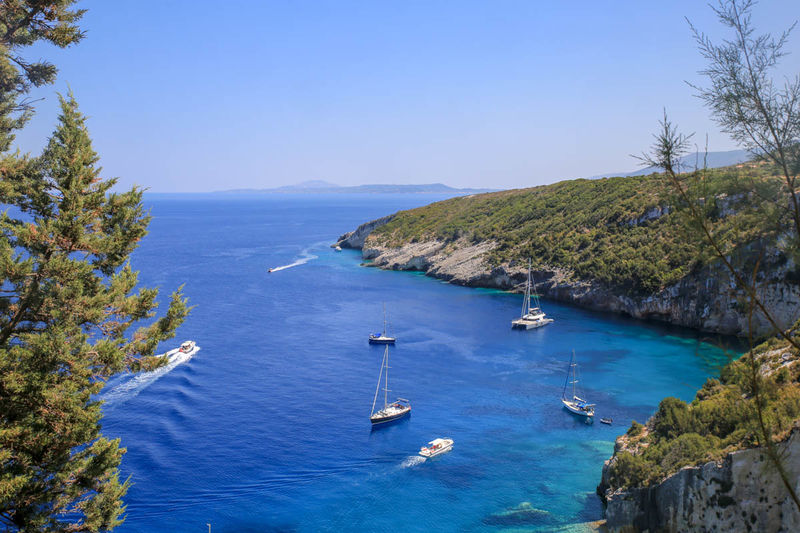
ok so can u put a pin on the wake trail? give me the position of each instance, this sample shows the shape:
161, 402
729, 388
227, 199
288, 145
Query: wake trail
305, 257
412, 460
131, 388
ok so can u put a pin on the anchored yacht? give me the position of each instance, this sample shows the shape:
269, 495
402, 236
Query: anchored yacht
532, 315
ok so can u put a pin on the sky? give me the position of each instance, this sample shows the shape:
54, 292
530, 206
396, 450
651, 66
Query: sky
200, 95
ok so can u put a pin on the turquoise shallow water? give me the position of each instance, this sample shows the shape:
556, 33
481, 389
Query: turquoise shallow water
266, 428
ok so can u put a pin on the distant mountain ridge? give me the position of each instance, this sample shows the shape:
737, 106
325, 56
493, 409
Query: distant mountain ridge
324, 187
690, 161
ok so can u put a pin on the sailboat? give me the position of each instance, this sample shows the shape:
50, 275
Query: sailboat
575, 404
532, 316
390, 411
382, 338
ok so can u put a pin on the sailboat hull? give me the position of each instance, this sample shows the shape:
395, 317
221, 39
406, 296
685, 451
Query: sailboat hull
376, 420
382, 340
522, 323
574, 409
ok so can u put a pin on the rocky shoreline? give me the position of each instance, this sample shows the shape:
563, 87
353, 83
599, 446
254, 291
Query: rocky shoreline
707, 300
742, 492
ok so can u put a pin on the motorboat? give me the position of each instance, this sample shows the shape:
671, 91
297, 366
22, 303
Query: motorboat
436, 447
532, 316
574, 403
606, 421
338, 248
382, 338
187, 348
390, 411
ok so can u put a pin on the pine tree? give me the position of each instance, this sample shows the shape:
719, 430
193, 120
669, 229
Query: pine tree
70, 313
67, 310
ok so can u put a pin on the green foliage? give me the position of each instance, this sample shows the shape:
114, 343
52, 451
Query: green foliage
23, 23
70, 317
631, 471
635, 430
721, 419
629, 233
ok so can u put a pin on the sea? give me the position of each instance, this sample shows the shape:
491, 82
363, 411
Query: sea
266, 428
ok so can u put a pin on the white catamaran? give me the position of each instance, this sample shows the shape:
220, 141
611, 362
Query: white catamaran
382, 338
532, 315
391, 411
575, 403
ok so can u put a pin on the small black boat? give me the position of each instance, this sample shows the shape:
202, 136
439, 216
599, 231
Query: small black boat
606, 421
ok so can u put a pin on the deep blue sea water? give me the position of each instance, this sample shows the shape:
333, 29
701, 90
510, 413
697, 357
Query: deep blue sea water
267, 429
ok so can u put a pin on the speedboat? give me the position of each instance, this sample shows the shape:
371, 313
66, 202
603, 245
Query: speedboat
186, 348
270, 270
338, 248
606, 421
436, 447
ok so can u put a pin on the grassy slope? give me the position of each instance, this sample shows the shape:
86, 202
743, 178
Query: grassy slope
588, 226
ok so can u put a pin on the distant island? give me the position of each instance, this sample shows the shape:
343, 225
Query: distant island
692, 161
324, 187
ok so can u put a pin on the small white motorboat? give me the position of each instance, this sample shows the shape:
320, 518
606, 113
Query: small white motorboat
338, 248
436, 447
186, 348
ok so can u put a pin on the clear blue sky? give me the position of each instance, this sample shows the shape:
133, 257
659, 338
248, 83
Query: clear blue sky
195, 95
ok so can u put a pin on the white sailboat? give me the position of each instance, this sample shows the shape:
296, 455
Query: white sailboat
574, 403
390, 411
532, 316
382, 338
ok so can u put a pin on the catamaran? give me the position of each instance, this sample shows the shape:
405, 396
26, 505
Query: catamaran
532, 315
382, 338
575, 404
391, 411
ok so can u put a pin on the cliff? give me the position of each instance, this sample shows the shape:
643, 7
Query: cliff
707, 300
610, 245
742, 492
355, 239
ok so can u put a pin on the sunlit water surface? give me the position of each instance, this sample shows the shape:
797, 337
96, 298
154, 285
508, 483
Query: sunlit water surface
266, 428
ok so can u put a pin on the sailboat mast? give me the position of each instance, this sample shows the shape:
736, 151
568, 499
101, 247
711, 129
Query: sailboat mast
380, 376
526, 304
384, 319
574, 375
386, 387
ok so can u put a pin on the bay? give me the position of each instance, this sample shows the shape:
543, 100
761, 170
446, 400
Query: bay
266, 428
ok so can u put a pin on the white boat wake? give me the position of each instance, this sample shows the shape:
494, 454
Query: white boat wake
412, 460
132, 387
305, 257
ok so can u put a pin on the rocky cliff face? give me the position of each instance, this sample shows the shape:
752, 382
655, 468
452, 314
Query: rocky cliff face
707, 300
355, 239
743, 492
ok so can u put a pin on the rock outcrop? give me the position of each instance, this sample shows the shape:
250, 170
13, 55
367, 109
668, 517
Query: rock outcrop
355, 239
707, 300
743, 492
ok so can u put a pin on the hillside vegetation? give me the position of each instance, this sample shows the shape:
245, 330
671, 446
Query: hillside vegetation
626, 232
720, 419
